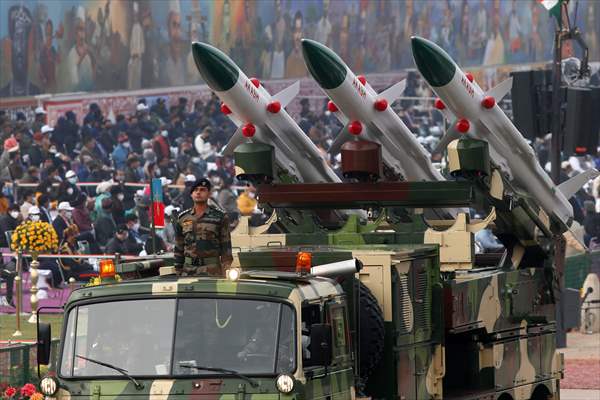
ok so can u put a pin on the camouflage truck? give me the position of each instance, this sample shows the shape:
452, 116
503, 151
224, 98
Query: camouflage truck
267, 334
405, 330
424, 318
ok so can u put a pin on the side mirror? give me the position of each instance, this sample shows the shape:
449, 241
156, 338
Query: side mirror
44, 339
320, 345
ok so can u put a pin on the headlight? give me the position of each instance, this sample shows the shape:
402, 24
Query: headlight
285, 383
233, 274
49, 386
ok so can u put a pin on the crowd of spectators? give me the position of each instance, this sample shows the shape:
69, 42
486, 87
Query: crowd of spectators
78, 177
90, 181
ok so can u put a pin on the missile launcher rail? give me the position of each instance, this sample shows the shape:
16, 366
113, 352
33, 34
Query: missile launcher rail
492, 316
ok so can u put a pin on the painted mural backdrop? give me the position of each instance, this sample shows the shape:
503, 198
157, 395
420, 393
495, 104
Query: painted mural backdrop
55, 46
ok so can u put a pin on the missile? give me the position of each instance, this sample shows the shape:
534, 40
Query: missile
366, 113
477, 113
262, 116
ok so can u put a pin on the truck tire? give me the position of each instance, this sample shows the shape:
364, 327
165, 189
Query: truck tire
371, 334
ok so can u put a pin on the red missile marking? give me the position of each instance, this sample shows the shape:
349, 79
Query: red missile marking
463, 126
248, 130
355, 127
469, 76
331, 106
255, 82
380, 104
488, 102
274, 107
439, 104
362, 79
224, 109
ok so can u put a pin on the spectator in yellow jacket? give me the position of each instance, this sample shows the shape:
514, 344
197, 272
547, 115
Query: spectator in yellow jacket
246, 201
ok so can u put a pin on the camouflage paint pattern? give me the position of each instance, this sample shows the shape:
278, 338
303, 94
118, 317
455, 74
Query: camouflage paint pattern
254, 159
202, 237
334, 385
514, 365
498, 300
337, 383
468, 155
497, 323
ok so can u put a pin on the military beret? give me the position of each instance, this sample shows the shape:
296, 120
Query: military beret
200, 182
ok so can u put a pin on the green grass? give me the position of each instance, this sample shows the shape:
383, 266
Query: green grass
8, 324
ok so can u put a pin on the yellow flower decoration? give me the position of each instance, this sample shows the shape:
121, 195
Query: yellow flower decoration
37, 236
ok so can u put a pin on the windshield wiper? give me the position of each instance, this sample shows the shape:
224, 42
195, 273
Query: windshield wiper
138, 385
251, 381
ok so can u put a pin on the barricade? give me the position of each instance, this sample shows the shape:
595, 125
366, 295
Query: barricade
18, 362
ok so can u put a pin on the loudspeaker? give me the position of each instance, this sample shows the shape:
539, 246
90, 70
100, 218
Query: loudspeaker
524, 103
582, 122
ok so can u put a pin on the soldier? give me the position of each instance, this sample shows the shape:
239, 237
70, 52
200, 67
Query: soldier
202, 239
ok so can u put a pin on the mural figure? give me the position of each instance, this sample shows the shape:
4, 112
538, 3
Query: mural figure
149, 57
136, 50
494, 48
323, 30
79, 61
279, 30
294, 65
174, 65
98, 45
49, 60
478, 36
19, 25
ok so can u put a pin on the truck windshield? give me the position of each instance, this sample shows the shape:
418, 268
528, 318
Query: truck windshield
191, 336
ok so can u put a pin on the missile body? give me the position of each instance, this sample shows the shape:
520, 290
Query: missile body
356, 102
486, 121
248, 104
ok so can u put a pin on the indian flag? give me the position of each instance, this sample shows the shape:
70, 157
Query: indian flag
553, 6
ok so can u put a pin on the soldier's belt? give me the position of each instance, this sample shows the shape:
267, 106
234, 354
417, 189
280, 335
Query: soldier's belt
197, 261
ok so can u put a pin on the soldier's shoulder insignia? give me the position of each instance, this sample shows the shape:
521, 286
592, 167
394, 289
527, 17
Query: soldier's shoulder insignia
184, 212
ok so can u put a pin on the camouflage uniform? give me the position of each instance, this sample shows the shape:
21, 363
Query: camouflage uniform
202, 243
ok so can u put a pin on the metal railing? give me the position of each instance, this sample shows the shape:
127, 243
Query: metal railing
18, 362
117, 258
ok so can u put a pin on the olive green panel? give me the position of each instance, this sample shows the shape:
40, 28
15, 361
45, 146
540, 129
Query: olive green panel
328, 384
254, 159
171, 286
417, 302
210, 388
473, 157
577, 268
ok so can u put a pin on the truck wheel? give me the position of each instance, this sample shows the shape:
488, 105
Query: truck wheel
371, 335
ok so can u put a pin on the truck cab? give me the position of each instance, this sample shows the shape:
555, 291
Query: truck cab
260, 336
